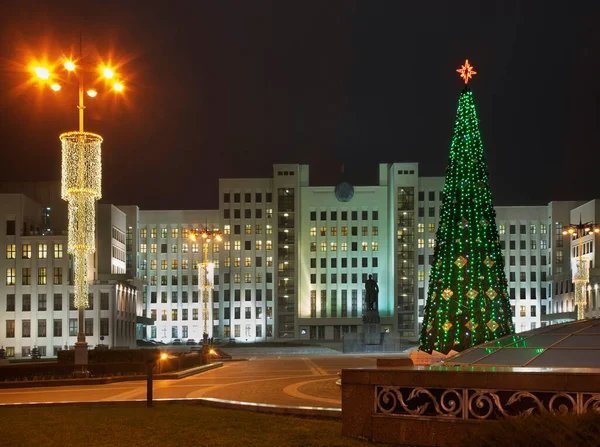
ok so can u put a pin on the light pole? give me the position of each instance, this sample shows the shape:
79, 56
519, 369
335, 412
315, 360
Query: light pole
581, 275
81, 185
205, 277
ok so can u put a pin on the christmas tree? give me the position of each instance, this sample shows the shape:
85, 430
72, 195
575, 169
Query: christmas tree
467, 302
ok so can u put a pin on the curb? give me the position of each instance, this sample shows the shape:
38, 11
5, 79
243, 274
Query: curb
317, 412
107, 380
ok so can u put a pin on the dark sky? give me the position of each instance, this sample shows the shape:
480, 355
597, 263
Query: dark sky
227, 88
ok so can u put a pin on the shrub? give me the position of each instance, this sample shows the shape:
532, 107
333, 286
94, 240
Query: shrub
546, 430
111, 356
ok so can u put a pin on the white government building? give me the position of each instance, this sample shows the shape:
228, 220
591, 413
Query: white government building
291, 265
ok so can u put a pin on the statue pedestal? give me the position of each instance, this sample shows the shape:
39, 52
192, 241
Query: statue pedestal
372, 327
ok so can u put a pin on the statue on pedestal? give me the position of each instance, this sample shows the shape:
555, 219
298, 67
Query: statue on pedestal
372, 292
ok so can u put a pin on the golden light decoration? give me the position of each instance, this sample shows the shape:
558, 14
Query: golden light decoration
69, 65
466, 71
81, 187
55, 87
118, 86
42, 72
108, 73
92, 93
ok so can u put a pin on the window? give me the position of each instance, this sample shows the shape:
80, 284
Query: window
42, 279
543, 229
313, 231
248, 262
58, 276
533, 244
73, 327
258, 227
421, 228
334, 246
26, 276
420, 243
502, 229
153, 248
41, 329
431, 228
333, 231
543, 244
57, 328
58, 251
421, 275
375, 231
26, 251
248, 229
10, 328
513, 245
523, 229
237, 245
163, 233
365, 231
512, 260
513, 229
431, 243
163, 264
523, 311
11, 251
364, 246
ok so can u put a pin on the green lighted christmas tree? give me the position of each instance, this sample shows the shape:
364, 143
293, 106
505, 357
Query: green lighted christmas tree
467, 302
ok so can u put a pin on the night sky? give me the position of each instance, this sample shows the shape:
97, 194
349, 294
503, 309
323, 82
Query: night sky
219, 89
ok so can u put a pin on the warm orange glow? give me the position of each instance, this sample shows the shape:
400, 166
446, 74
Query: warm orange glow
118, 86
69, 65
218, 238
571, 231
108, 73
193, 237
163, 356
42, 73
204, 235
587, 230
466, 71
92, 93
596, 230
211, 352
564, 232
55, 87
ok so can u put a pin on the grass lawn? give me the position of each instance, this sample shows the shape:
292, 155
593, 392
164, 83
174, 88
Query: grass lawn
180, 425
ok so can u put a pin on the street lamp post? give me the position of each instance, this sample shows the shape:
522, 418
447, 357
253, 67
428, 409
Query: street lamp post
581, 274
205, 276
81, 187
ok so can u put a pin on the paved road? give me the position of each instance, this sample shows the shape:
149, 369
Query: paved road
296, 380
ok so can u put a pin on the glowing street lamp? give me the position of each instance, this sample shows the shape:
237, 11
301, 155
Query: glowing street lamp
205, 283
581, 275
81, 188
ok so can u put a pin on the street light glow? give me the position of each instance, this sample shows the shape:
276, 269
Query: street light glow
69, 65
163, 356
118, 86
55, 87
108, 73
92, 93
42, 73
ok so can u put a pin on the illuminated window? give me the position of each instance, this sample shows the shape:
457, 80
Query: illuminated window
42, 276
323, 246
344, 246
543, 229
421, 228
323, 231
269, 245
248, 277
432, 228
11, 251
216, 263
236, 278
269, 229
184, 248
174, 248
163, 233
523, 311
559, 257
269, 213
184, 264
259, 278
163, 264
153, 233
175, 232
375, 246
10, 276
364, 246
153, 280
333, 231
344, 231
227, 261
163, 315
237, 262
174, 264
258, 229
365, 231
26, 251
153, 248
375, 231
258, 245
237, 245
195, 247
421, 275
420, 243
334, 246
227, 229
502, 229
313, 231
143, 248
185, 233
248, 229
269, 261
153, 264
216, 248
194, 264
431, 243
143, 233
247, 262
163, 280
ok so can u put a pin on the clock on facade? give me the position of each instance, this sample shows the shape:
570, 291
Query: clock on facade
344, 192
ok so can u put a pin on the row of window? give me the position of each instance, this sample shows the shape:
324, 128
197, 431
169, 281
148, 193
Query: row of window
247, 229
258, 213
26, 251
237, 279
237, 246
523, 229
344, 231
57, 304
258, 314
237, 332
334, 304
343, 278
344, 262
333, 246
431, 196
42, 276
258, 196
333, 215
523, 245
57, 328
